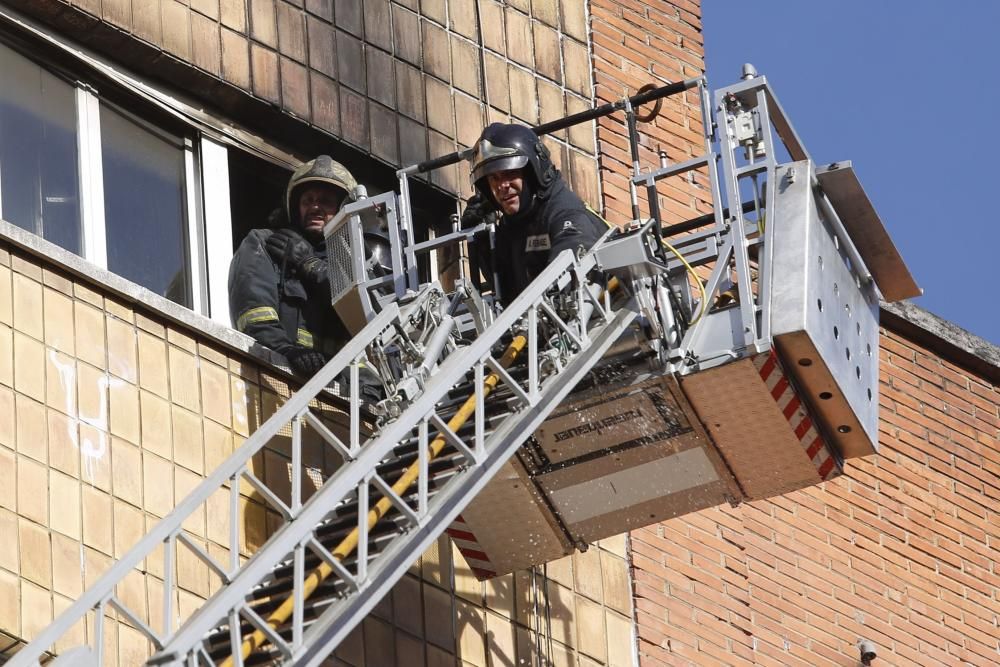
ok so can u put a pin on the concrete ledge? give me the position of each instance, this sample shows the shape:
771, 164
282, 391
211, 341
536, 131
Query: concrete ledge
953, 342
133, 293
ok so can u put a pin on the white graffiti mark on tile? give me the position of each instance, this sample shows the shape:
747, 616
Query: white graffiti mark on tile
239, 407
92, 451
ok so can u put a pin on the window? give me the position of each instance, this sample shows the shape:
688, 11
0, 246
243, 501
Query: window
100, 181
131, 178
39, 170
144, 205
257, 188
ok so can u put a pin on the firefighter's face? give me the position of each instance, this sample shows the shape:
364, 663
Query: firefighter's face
318, 204
506, 188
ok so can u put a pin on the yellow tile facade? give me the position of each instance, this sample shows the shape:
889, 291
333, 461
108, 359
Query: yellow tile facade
110, 413
122, 415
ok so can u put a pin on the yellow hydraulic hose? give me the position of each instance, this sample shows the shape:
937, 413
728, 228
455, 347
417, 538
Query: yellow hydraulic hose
612, 287
280, 615
697, 280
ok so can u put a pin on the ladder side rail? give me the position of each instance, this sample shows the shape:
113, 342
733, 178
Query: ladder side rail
335, 623
168, 528
345, 481
734, 245
766, 252
710, 131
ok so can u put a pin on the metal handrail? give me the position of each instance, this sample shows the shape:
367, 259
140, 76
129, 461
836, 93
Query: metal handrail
168, 528
356, 475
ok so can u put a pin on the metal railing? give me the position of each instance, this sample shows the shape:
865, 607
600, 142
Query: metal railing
421, 515
170, 533
361, 581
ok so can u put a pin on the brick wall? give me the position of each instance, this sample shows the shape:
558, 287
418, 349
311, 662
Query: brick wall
636, 43
901, 550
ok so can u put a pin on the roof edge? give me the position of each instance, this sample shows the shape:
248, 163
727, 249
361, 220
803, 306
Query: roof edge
959, 346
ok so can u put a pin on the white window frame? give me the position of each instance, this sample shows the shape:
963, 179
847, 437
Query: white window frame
218, 227
94, 245
195, 231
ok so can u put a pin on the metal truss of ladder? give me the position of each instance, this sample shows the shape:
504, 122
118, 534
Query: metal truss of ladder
339, 552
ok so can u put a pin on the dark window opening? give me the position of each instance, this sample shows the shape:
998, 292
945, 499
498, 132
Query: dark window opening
256, 190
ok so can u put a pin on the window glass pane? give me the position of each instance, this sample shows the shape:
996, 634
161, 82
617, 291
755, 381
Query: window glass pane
39, 181
144, 205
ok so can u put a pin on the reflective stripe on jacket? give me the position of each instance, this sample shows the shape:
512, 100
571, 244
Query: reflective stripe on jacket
274, 307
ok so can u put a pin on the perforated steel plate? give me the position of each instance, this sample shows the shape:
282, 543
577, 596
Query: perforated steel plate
338, 252
824, 319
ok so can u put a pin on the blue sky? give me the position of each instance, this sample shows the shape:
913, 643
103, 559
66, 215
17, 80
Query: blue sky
910, 93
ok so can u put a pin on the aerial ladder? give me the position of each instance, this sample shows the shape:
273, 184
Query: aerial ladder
680, 357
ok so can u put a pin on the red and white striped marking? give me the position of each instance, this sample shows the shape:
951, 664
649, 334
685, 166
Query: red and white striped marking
463, 537
797, 415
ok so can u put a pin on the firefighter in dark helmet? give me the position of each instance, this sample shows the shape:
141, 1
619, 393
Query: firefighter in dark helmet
539, 216
278, 288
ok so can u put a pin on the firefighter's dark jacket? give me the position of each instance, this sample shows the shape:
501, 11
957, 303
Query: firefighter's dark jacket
274, 307
557, 220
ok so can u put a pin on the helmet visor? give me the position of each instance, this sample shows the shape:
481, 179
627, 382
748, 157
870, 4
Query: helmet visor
490, 159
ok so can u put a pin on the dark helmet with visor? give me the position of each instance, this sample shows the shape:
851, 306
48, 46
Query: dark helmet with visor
321, 169
503, 147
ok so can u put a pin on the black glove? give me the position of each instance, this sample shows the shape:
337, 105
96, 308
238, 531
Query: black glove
288, 248
305, 362
370, 385
477, 210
